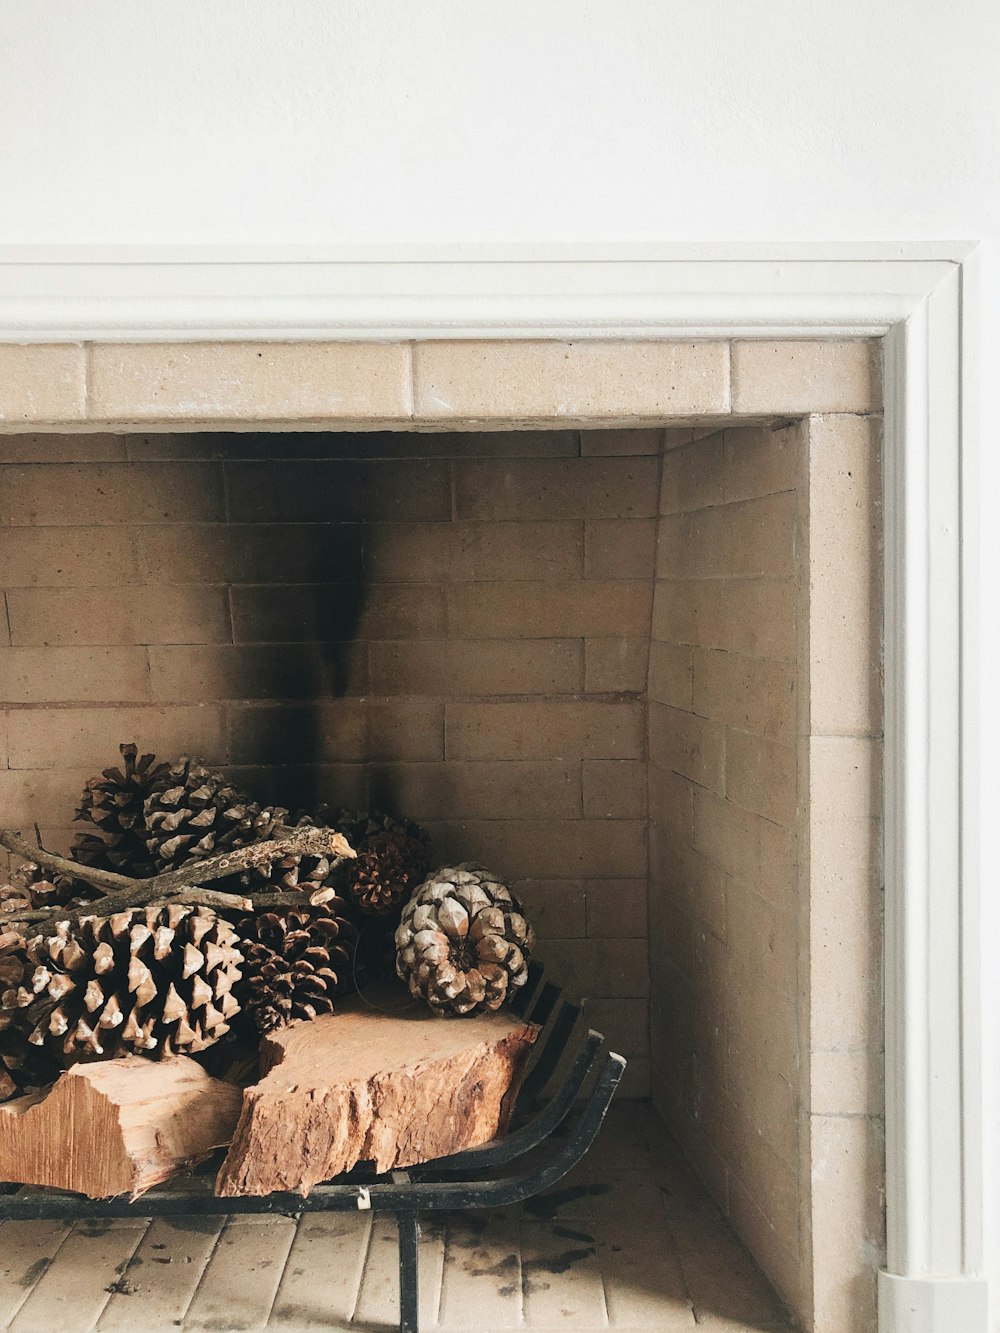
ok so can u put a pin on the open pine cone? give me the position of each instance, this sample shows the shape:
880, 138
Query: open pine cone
463, 943
297, 959
192, 813
113, 804
305, 873
387, 870
147, 980
393, 857
23, 1067
28, 887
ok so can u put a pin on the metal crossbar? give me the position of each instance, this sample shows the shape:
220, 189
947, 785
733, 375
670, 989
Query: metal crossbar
449, 1183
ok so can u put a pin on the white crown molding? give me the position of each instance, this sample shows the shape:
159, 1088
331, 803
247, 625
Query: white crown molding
294, 294
920, 297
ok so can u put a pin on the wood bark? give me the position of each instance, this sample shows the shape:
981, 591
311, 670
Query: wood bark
393, 1085
185, 885
117, 1126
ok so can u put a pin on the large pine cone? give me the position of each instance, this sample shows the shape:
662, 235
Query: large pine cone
113, 803
463, 943
153, 980
193, 813
23, 1067
297, 960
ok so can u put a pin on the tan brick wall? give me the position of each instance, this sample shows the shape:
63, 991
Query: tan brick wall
764, 911
724, 891
453, 626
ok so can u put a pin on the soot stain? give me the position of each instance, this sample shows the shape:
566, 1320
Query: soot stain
505, 1267
35, 1272
560, 1263
547, 1205
567, 1233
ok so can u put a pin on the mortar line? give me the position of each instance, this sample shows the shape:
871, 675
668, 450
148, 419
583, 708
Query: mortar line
69, 1228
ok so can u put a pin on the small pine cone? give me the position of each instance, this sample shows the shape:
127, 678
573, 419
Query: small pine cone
463, 943
152, 980
113, 804
193, 813
388, 868
23, 1067
297, 959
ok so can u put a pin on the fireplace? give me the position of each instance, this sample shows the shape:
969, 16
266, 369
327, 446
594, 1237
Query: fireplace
636, 666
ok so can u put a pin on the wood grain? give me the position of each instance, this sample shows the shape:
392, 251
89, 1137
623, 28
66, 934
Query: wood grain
116, 1126
393, 1085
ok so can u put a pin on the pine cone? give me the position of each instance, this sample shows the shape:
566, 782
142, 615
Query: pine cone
387, 870
113, 803
311, 875
394, 856
23, 1067
28, 888
193, 813
463, 943
151, 980
360, 826
296, 960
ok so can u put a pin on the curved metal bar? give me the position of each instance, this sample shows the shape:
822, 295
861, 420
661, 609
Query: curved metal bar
416, 1196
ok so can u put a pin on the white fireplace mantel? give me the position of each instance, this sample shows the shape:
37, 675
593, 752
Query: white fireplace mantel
922, 299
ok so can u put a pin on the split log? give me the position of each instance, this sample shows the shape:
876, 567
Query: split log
116, 1126
395, 1086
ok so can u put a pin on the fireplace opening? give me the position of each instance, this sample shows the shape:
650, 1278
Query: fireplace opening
634, 670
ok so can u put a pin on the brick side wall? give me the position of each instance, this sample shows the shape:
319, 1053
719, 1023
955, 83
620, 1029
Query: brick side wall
723, 789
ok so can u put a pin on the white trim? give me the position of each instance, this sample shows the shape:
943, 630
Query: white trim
916, 295
932, 1305
150, 298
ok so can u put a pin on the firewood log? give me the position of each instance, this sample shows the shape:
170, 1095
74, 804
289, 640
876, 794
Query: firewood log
391, 1084
116, 1126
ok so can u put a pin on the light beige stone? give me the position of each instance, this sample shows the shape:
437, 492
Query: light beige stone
553, 381
41, 383
845, 934
847, 1082
844, 576
848, 1170
806, 376
248, 381
844, 778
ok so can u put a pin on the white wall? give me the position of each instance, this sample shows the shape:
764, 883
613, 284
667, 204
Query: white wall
368, 121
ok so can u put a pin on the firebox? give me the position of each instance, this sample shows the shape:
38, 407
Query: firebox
637, 668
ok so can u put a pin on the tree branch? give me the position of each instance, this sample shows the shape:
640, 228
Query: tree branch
184, 885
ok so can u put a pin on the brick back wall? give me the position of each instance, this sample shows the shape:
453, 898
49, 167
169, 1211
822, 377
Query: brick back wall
452, 626
724, 810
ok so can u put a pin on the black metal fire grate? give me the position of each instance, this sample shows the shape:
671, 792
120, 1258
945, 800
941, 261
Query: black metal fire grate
464, 1180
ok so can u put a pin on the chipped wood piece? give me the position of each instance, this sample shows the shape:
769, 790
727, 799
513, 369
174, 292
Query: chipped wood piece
116, 1126
379, 1081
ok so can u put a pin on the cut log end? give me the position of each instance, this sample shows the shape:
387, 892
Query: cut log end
117, 1126
390, 1086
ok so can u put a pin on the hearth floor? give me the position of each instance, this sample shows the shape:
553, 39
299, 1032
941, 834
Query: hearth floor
628, 1241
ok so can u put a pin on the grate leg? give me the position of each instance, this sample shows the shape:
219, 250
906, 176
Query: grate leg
409, 1231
